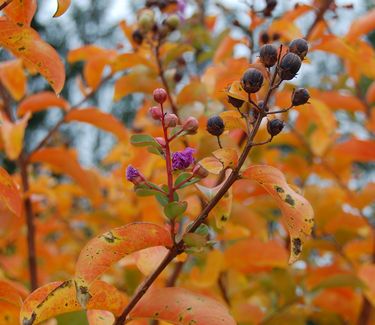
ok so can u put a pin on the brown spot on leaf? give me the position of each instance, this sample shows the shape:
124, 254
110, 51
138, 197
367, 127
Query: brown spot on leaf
290, 200
297, 246
279, 189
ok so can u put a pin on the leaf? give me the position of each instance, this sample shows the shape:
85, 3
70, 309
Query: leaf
213, 165
13, 78
149, 259
340, 280
10, 196
361, 26
233, 120
366, 273
298, 215
21, 12
337, 100
260, 256
175, 209
101, 252
180, 306
356, 150
25, 43
144, 140
140, 80
84, 53
100, 317
62, 7
99, 119
223, 208
58, 298
41, 101
12, 135
94, 68
208, 275
65, 160
370, 94
195, 91
235, 90
228, 157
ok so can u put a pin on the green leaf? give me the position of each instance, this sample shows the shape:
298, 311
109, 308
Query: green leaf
145, 192
74, 318
202, 230
340, 280
175, 209
143, 140
155, 150
194, 240
162, 199
183, 177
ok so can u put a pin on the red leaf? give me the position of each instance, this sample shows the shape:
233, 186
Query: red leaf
180, 306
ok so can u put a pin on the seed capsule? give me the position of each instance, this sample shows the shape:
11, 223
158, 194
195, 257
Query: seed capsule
300, 97
156, 112
235, 101
215, 125
264, 38
252, 80
268, 55
274, 127
170, 120
172, 22
191, 125
300, 47
160, 95
289, 66
137, 37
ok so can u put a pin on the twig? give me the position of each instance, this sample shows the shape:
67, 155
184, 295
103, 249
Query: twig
223, 288
319, 16
3, 5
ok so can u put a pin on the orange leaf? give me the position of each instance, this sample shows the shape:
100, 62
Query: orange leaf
337, 100
58, 298
84, 53
100, 119
149, 259
25, 43
363, 25
233, 120
94, 67
12, 134
62, 6
65, 160
21, 12
101, 252
13, 78
180, 306
228, 157
10, 196
370, 94
225, 49
41, 101
367, 274
298, 215
260, 256
356, 150
10, 293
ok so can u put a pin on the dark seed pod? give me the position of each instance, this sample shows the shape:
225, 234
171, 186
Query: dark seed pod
264, 38
300, 97
268, 55
276, 36
289, 66
274, 127
235, 101
215, 125
137, 37
252, 80
300, 47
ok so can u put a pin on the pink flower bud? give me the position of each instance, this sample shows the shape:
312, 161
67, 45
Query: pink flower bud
170, 120
160, 95
156, 113
191, 125
200, 171
161, 141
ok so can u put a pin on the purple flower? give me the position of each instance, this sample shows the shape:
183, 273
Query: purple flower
183, 159
133, 175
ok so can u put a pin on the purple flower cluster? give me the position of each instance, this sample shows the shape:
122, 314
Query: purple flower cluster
133, 175
183, 159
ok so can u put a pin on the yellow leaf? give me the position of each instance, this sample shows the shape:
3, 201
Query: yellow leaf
13, 134
298, 215
233, 120
213, 165
227, 156
13, 78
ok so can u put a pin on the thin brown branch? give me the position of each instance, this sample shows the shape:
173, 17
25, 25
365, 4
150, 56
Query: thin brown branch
319, 16
221, 282
4, 4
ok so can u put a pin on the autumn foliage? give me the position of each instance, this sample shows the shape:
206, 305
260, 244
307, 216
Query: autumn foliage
236, 195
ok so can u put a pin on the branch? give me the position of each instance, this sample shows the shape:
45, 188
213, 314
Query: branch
3, 5
319, 16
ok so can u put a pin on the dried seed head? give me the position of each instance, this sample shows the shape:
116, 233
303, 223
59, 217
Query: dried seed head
289, 66
274, 127
264, 38
300, 47
172, 22
235, 101
146, 20
268, 55
137, 37
170, 120
215, 125
160, 95
252, 80
300, 97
